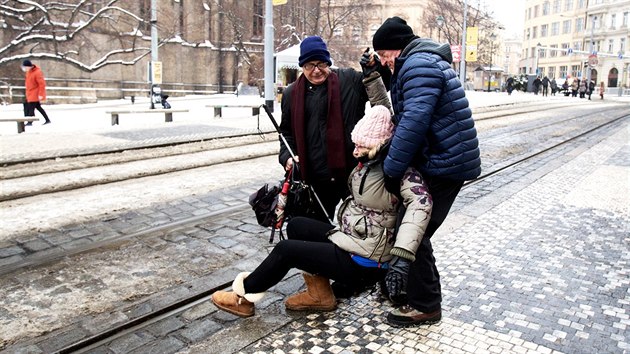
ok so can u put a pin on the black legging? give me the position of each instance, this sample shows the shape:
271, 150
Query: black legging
308, 249
30, 107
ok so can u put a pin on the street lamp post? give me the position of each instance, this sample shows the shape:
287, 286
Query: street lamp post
492, 38
591, 52
440, 22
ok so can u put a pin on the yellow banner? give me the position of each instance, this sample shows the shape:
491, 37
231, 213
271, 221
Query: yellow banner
471, 52
156, 72
278, 2
472, 35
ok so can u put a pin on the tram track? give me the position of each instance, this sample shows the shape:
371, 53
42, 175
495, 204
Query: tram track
178, 307
37, 178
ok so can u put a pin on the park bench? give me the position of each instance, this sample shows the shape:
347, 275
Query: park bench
20, 122
168, 113
218, 108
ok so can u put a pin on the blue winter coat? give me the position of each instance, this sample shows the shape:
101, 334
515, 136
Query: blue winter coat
435, 131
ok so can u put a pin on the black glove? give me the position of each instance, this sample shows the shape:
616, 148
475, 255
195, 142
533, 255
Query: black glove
392, 185
366, 58
396, 280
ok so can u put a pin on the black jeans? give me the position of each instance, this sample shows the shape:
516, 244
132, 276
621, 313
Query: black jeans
308, 249
424, 292
29, 110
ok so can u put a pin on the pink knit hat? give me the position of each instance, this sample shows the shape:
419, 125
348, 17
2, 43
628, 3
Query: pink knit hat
374, 129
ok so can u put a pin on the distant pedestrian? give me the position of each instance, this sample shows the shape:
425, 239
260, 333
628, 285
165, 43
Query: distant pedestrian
601, 89
537, 83
582, 88
554, 86
509, 85
35, 91
565, 87
591, 88
545, 86
574, 87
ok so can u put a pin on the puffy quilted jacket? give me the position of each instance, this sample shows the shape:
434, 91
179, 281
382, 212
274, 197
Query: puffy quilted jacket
367, 218
435, 131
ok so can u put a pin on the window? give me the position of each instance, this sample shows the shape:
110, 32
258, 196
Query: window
563, 71
545, 8
257, 20
533, 51
613, 21
581, 4
536, 11
566, 26
544, 30
579, 25
555, 28
577, 45
622, 45
568, 5
356, 33
624, 22
556, 6
534, 31
575, 71
551, 71
553, 52
338, 31
542, 53
529, 13
611, 45
565, 46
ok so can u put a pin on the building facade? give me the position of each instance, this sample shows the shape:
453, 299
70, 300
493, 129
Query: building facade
567, 39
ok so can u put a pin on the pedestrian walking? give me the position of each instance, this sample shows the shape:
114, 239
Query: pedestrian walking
565, 87
537, 83
359, 251
601, 89
574, 87
35, 91
582, 88
545, 86
317, 124
435, 133
554, 86
509, 84
591, 88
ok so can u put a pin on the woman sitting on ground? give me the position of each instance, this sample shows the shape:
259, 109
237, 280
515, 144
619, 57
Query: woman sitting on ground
358, 252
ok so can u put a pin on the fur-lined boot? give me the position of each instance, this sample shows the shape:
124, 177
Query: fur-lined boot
237, 302
318, 295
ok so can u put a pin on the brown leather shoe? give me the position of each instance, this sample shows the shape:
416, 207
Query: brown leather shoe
230, 302
408, 316
318, 295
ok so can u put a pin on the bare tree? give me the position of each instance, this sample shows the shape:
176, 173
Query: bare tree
69, 32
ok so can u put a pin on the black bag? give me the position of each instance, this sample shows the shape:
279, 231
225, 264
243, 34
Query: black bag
263, 202
301, 200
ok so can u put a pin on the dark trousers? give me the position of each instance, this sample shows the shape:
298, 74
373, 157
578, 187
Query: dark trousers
545, 91
308, 249
330, 194
30, 107
424, 292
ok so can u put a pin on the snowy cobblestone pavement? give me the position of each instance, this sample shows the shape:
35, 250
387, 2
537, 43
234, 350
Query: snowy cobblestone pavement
533, 260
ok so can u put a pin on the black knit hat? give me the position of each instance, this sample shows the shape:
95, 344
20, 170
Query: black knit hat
27, 63
393, 34
313, 48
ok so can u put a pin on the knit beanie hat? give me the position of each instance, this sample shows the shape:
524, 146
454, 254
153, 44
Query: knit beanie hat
313, 48
393, 34
374, 129
27, 63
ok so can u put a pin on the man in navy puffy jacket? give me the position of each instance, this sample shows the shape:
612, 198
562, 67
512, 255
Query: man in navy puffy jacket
435, 133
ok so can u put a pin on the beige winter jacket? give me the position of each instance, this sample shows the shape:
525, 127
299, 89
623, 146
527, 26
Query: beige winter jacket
368, 216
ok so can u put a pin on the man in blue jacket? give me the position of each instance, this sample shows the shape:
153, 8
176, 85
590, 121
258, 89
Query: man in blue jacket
435, 133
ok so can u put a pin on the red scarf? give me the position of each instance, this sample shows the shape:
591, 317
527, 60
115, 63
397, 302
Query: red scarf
335, 141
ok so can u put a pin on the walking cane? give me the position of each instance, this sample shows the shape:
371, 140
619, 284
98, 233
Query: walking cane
284, 141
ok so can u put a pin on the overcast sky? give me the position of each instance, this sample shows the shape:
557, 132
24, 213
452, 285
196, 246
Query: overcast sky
510, 13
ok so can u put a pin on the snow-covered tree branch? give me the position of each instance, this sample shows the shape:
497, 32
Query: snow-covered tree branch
72, 32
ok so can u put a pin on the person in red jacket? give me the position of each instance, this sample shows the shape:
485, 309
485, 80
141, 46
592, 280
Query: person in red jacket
35, 91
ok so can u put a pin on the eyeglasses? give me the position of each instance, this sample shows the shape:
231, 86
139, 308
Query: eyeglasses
311, 66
